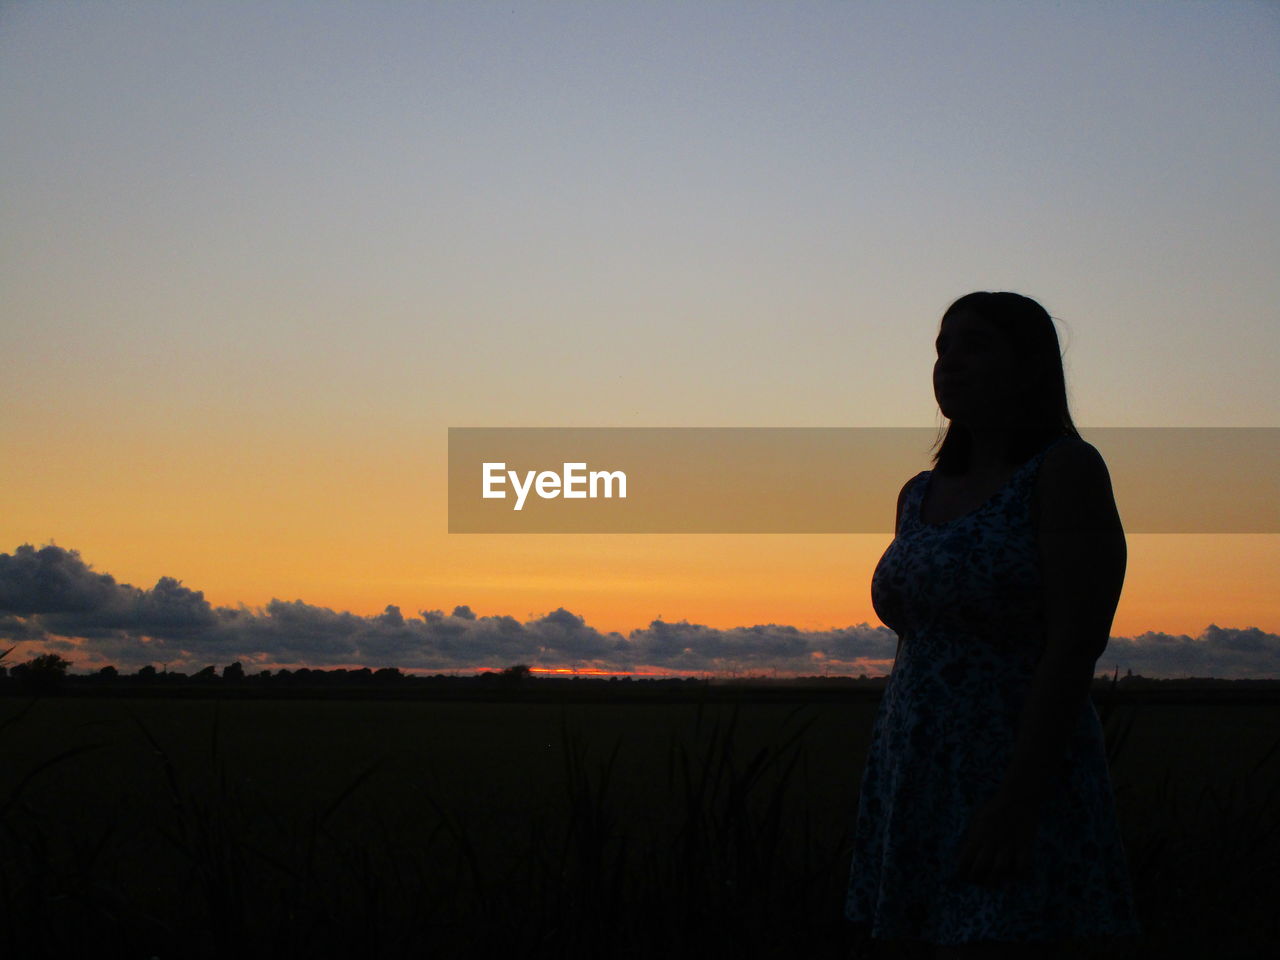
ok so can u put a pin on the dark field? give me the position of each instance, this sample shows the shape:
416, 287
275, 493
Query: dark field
421, 828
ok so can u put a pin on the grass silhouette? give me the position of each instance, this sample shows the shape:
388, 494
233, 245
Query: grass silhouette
593, 853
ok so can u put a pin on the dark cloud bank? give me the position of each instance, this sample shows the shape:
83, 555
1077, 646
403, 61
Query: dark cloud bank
52, 600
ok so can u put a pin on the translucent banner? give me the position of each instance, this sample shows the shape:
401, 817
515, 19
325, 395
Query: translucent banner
819, 479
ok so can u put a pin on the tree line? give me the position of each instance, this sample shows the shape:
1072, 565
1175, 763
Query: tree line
48, 672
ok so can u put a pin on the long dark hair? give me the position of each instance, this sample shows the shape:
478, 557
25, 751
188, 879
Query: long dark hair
1042, 414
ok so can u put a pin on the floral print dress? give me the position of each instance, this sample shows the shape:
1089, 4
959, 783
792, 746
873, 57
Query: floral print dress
964, 598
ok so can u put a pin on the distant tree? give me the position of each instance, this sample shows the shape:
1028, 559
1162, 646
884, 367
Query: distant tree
516, 672
233, 672
387, 675
107, 673
42, 674
147, 673
208, 673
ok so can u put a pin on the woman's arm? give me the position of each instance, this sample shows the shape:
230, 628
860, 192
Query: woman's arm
1082, 560
1083, 556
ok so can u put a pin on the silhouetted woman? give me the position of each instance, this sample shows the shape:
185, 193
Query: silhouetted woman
986, 821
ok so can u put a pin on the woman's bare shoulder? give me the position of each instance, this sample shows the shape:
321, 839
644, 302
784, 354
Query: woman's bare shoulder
1074, 458
1073, 482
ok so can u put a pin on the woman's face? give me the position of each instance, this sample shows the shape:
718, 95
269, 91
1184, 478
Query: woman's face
975, 378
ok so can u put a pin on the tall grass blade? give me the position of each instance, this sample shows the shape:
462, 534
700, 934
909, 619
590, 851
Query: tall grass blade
40, 767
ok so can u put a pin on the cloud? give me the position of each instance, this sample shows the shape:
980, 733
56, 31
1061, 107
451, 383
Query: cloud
1218, 652
50, 597
54, 581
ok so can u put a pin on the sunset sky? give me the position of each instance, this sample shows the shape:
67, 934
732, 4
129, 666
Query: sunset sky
258, 258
